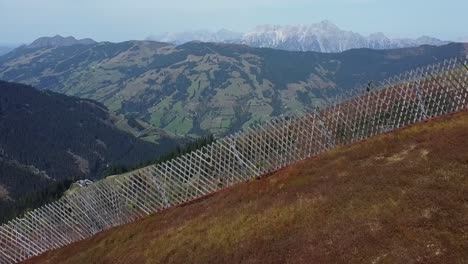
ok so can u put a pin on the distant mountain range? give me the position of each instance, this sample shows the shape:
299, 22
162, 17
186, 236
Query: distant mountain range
463, 39
199, 88
5, 50
179, 38
47, 42
322, 37
6, 47
59, 41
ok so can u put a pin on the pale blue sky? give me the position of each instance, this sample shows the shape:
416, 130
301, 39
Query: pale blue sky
118, 20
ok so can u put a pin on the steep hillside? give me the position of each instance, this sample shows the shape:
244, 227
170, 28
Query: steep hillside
396, 198
199, 88
47, 137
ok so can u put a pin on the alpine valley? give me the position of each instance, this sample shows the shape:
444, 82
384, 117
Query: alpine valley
202, 88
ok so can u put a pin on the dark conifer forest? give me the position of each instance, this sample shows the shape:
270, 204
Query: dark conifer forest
48, 140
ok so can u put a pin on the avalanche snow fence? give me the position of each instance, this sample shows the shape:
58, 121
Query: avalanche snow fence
414, 96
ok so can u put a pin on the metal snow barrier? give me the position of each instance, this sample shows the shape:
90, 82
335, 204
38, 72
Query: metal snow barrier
414, 96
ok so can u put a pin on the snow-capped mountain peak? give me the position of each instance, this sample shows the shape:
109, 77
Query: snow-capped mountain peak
199, 35
324, 36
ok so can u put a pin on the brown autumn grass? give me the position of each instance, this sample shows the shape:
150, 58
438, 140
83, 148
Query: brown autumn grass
396, 198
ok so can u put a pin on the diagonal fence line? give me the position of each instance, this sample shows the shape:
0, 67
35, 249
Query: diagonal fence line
411, 97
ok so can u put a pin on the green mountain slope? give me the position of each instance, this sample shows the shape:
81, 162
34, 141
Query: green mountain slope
46, 137
395, 198
198, 88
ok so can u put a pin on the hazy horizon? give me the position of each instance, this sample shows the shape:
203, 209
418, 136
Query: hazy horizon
119, 20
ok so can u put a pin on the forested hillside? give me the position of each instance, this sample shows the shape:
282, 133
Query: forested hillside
49, 138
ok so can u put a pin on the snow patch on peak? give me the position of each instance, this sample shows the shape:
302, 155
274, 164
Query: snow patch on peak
324, 36
222, 35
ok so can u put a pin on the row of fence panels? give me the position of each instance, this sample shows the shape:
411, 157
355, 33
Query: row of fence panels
405, 99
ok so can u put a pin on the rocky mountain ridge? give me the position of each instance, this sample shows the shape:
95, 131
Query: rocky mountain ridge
321, 37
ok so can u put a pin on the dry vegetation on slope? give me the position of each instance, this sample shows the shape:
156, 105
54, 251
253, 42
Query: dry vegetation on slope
396, 198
